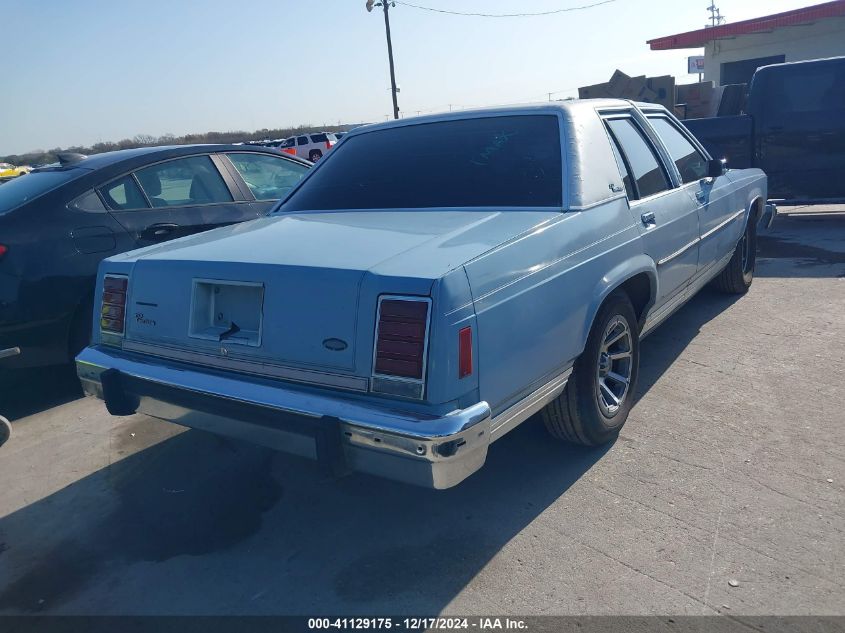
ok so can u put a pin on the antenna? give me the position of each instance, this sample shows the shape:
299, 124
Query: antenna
716, 17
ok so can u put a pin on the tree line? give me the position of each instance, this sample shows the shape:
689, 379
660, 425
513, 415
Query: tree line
45, 157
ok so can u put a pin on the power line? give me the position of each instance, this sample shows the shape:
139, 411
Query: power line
504, 15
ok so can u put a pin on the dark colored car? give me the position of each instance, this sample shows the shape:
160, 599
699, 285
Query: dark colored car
57, 223
793, 128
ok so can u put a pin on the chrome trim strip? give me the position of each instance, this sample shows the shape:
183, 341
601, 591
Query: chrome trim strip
723, 224
678, 252
697, 283
322, 379
515, 415
489, 293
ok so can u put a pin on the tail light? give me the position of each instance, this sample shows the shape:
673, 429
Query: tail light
465, 352
113, 308
3, 250
329, 144
400, 349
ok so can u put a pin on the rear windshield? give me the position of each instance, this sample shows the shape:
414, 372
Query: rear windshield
24, 188
508, 161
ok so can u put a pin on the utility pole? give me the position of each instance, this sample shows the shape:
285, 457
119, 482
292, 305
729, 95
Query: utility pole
716, 18
385, 4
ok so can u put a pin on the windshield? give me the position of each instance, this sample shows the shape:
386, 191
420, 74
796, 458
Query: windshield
24, 188
506, 161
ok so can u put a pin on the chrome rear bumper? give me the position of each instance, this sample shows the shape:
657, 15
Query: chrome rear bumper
343, 434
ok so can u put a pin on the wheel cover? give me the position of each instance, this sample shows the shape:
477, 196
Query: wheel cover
615, 366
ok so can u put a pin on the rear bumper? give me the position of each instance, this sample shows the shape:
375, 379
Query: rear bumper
430, 451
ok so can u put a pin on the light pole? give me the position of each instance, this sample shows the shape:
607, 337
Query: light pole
385, 4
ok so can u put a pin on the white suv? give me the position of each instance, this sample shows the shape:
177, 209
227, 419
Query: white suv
310, 146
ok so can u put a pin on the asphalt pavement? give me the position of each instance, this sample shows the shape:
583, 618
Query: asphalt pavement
724, 493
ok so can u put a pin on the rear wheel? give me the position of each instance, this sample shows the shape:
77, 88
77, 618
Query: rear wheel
737, 276
5, 430
315, 155
598, 397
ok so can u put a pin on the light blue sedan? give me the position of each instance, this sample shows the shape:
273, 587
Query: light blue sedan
430, 285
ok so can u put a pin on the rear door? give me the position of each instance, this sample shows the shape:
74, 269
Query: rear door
719, 208
267, 178
302, 143
668, 218
174, 198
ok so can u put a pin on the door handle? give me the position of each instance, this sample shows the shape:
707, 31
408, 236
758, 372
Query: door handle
648, 218
159, 230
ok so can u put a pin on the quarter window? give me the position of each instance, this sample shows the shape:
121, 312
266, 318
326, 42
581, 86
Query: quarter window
124, 194
690, 162
648, 174
89, 202
184, 182
268, 177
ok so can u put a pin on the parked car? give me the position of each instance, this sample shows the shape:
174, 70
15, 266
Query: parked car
510, 263
57, 223
7, 170
793, 129
310, 146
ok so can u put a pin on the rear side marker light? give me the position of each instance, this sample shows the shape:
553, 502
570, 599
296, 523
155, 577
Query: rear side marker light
113, 306
3, 250
465, 352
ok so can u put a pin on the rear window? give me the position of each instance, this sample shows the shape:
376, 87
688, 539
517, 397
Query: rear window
24, 188
509, 161
806, 88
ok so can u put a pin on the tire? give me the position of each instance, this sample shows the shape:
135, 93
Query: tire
737, 276
584, 413
5, 430
315, 155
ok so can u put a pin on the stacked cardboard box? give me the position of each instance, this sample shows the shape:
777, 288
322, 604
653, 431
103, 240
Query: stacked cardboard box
688, 101
621, 86
697, 100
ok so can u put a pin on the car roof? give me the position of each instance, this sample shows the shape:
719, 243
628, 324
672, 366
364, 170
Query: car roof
145, 154
569, 108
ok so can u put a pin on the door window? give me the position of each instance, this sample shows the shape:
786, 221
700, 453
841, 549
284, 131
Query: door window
184, 182
302, 140
268, 177
648, 174
124, 194
690, 162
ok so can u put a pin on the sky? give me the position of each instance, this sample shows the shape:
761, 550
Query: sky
82, 71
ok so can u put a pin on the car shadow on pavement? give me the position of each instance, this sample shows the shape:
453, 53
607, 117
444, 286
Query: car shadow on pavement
813, 244
24, 392
663, 347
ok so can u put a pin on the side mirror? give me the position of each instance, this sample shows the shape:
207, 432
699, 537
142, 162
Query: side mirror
717, 167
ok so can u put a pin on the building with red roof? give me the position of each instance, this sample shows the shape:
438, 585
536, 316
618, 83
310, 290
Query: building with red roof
733, 51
